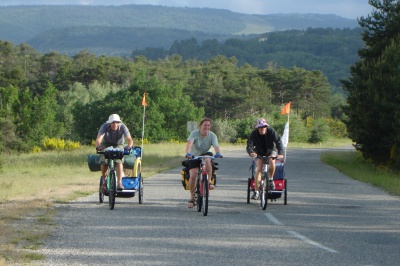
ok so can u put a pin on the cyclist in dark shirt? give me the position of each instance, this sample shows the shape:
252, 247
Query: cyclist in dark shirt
264, 141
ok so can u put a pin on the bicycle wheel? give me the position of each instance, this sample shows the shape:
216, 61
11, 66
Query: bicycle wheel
248, 190
140, 186
285, 193
264, 192
112, 191
101, 194
253, 169
198, 197
205, 191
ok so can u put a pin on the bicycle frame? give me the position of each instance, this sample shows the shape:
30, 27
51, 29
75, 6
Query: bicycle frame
112, 154
202, 185
264, 181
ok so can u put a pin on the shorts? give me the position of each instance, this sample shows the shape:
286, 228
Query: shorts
269, 153
196, 163
104, 161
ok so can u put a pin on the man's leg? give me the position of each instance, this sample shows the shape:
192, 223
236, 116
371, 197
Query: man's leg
104, 168
257, 179
271, 173
120, 173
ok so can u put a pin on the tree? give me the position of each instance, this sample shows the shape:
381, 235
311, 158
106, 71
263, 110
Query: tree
373, 94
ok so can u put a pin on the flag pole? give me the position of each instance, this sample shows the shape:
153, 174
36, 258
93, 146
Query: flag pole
144, 113
288, 114
286, 110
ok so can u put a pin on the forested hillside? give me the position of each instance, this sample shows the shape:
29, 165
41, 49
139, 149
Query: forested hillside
331, 51
22, 23
55, 96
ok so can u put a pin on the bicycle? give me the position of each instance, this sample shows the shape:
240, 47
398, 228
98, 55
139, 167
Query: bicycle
265, 184
111, 154
202, 190
266, 193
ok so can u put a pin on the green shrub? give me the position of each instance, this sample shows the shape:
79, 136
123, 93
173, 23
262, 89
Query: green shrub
224, 130
336, 128
319, 132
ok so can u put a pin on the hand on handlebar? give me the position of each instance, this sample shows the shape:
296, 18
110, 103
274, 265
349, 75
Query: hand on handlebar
99, 148
218, 155
127, 148
189, 155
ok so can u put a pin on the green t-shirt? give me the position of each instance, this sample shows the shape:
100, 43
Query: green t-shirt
202, 145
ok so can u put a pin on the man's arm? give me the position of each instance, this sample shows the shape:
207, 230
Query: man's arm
250, 146
130, 141
99, 139
278, 144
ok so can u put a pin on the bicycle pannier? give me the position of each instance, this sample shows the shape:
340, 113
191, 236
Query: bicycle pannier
94, 162
185, 178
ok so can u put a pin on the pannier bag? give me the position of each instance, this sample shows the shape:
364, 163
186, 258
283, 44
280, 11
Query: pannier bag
279, 170
185, 178
129, 160
94, 162
279, 177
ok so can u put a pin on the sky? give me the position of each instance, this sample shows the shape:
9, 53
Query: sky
351, 9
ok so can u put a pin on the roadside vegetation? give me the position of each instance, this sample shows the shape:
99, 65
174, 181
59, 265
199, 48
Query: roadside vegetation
352, 164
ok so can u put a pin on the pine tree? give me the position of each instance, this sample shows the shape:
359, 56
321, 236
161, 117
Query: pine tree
373, 97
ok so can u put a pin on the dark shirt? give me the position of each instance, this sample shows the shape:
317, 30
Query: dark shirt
264, 144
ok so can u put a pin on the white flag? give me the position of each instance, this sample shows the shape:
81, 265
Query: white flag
285, 136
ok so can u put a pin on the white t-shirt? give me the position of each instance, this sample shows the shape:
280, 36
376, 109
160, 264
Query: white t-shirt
201, 144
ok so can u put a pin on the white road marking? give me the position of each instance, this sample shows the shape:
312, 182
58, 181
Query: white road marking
273, 219
309, 241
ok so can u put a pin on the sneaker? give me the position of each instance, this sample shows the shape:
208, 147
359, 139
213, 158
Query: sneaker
271, 184
256, 195
120, 187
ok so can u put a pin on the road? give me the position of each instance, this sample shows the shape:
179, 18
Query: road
330, 219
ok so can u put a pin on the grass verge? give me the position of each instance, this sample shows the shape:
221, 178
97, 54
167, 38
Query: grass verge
353, 165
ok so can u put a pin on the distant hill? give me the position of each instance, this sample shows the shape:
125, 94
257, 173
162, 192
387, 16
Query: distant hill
118, 30
112, 41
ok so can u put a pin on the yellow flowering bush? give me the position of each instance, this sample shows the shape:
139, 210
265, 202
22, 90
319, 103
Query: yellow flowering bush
59, 144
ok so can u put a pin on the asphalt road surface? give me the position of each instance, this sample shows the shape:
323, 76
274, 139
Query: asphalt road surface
330, 219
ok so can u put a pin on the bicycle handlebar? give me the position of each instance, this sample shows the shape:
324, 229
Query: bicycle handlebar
204, 157
267, 157
114, 153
